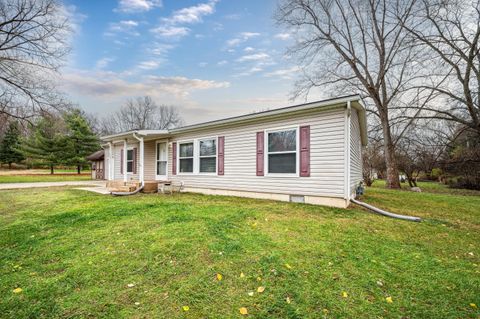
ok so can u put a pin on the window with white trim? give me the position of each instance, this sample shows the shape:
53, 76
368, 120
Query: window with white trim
162, 158
282, 151
130, 161
185, 157
208, 155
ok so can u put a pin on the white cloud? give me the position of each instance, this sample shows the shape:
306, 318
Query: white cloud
160, 49
223, 62
254, 57
173, 26
170, 31
112, 85
149, 65
234, 42
242, 37
250, 71
289, 73
248, 35
131, 6
249, 49
282, 36
103, 63
124, 26
191, 14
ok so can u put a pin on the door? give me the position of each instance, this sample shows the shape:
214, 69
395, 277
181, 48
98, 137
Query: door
161, 162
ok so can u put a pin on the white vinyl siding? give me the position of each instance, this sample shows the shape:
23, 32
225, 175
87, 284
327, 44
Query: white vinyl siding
326, 157
356, 175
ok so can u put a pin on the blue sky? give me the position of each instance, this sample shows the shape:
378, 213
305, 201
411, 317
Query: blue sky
210, 58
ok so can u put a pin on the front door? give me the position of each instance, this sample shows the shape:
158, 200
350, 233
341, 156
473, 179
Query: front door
161, 162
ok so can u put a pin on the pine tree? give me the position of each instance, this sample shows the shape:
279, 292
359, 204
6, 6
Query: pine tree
80, 140
10, 147
47, 142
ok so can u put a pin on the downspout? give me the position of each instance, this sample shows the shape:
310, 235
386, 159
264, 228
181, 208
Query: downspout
111, 169
384, 213
125, 160
142, 177
348, 114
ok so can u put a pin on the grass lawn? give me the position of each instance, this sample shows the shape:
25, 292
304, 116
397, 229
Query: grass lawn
42, 178
79, 254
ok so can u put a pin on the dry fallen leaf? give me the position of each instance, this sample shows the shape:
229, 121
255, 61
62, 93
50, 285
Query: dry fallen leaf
17, 290
288, 266
259, 278
186, 308
131, 285
219, 277
250, 293
242, 275
243, 311
288, 300
473, 305
389, 299
260, 289
344, 294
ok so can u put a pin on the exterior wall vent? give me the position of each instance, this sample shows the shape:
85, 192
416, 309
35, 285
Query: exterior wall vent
297, 199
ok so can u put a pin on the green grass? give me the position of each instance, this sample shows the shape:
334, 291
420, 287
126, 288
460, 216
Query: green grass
74, 253
432, 187
42, 178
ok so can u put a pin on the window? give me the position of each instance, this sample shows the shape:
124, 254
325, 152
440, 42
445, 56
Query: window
162, 159
282, 152
208, 156
129, 161
185, 156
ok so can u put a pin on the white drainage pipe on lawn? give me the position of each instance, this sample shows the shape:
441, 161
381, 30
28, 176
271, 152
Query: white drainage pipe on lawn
382, 212
127, 193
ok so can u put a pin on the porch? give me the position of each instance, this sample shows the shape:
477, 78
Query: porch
137, 159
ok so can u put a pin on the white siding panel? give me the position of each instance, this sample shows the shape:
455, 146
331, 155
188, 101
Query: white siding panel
327, 171
355, 153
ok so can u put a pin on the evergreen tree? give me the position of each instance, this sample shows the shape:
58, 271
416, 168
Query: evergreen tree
47, 142
80, 140
10, 147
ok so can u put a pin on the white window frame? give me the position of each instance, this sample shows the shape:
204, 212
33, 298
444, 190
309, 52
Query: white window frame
196, 156
126, 160
297, 151
216, 155
178, 157
161, 177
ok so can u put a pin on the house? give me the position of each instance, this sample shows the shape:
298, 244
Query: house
307, 153
98, 164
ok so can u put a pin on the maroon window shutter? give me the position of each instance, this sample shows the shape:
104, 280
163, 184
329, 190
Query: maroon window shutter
305, 151
134, 155
174, 158
221, 155
260, 153
121, 161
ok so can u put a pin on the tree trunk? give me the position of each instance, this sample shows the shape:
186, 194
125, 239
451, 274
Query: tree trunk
389, 151
10, 165
78, 169
51, 169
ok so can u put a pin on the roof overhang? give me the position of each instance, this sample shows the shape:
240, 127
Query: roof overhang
341, 102
147, 134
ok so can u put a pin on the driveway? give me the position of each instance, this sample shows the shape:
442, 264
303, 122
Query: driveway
51, 184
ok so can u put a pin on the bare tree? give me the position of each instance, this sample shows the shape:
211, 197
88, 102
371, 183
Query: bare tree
450, 30
351, 46
140, 114
33, 36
